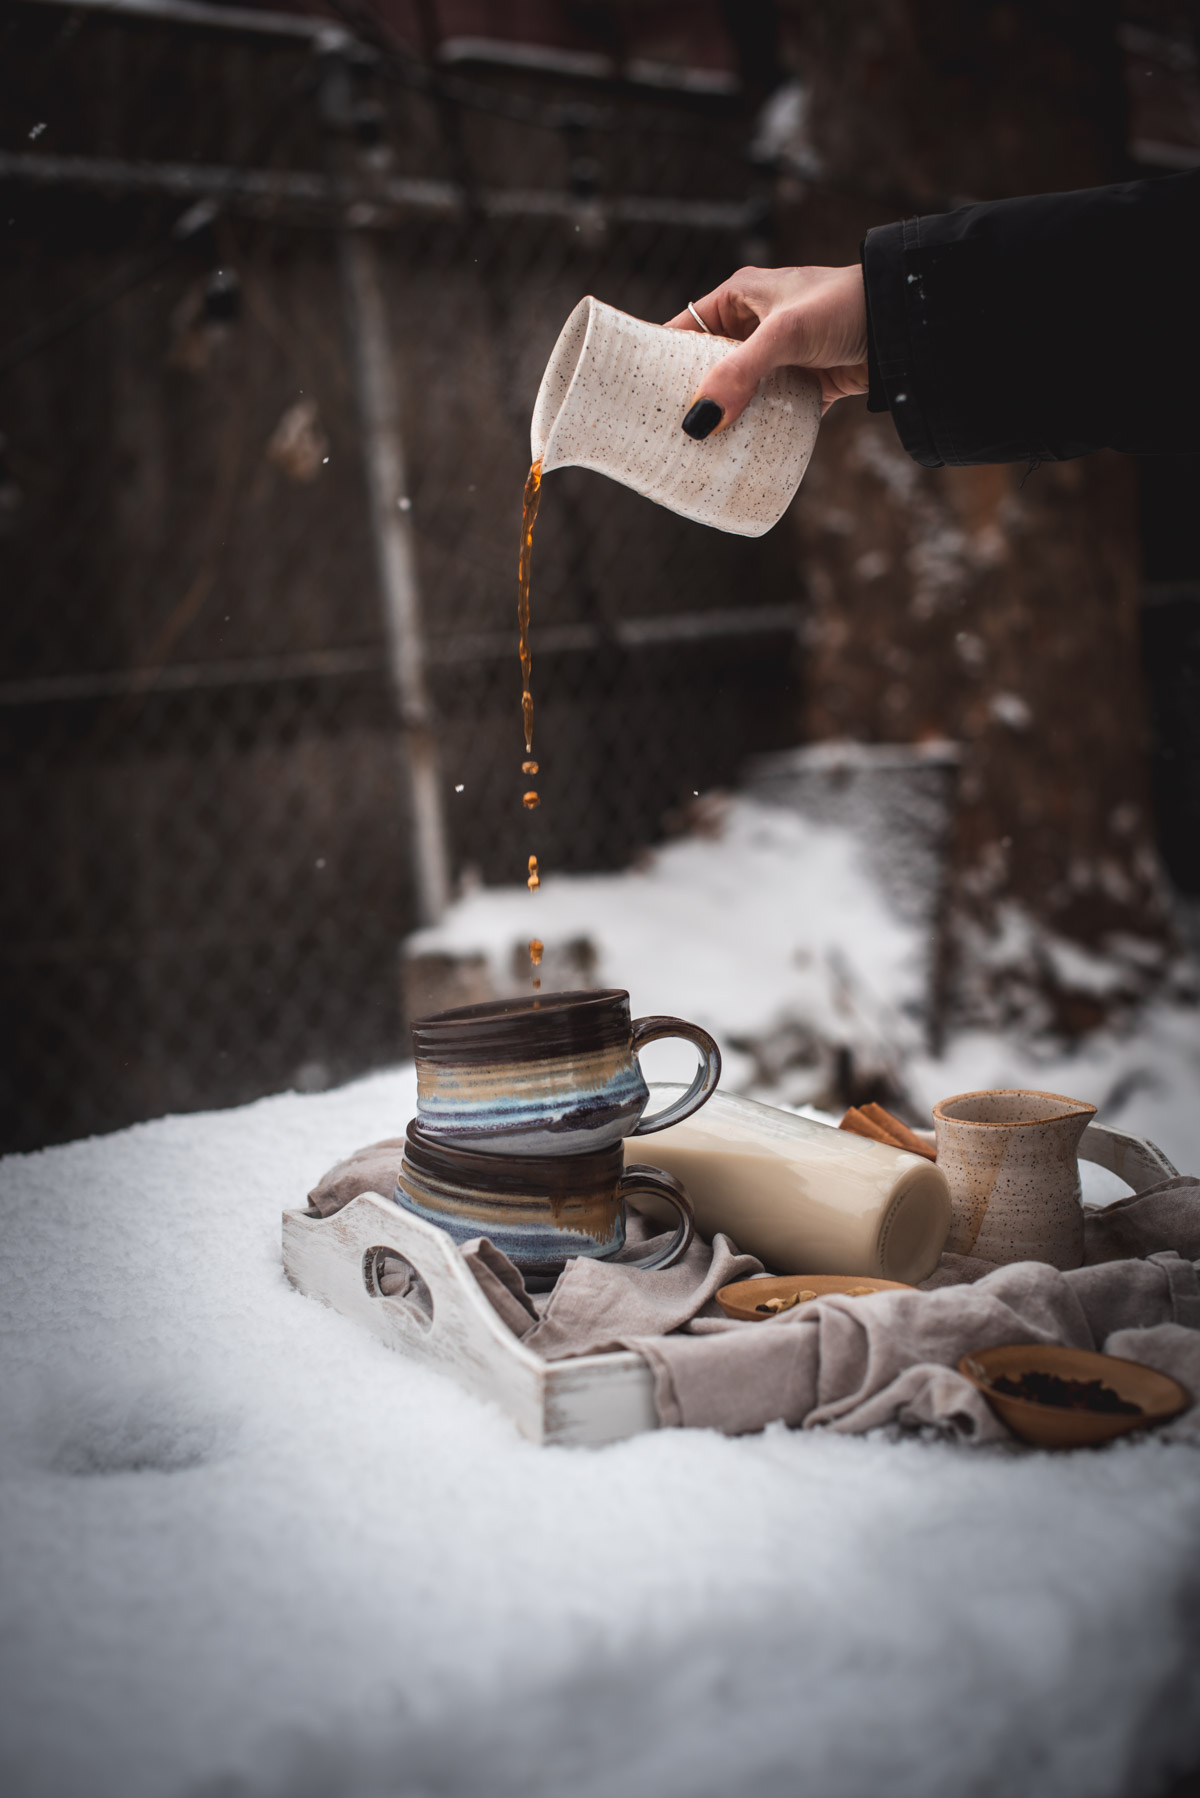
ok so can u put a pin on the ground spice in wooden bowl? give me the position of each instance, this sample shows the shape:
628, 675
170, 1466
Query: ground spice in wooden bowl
1070, 1395
1055, 1397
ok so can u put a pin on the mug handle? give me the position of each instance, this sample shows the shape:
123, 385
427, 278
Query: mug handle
650, 1030
638, 1177
1134, 1159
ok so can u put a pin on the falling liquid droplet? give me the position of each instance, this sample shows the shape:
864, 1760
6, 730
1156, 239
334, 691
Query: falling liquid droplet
536, 950
530, 801
533, 883
529, 767
533, 487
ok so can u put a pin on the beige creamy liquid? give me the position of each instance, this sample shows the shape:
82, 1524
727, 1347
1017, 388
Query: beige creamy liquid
804, 1198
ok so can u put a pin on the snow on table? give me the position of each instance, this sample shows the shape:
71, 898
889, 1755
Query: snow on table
248, 1550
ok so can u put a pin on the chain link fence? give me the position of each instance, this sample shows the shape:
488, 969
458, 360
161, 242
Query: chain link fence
204, 796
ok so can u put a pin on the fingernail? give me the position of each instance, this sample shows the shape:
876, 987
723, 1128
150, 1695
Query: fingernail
702, 418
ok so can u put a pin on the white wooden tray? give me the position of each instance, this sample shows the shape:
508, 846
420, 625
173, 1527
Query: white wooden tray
589, 1400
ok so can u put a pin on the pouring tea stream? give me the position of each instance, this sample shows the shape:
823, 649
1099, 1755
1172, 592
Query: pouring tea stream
610, 400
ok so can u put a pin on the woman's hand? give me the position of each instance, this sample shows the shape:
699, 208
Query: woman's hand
804, 317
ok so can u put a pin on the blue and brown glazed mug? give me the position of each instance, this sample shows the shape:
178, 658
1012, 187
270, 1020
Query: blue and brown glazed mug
553, 1075
541, 1210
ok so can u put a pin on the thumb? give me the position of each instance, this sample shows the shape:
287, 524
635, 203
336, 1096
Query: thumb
728, 388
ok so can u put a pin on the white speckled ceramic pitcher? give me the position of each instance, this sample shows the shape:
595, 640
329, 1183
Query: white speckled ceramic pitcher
613, 398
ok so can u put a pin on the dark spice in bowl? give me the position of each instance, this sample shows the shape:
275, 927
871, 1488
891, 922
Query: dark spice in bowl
1068, 1395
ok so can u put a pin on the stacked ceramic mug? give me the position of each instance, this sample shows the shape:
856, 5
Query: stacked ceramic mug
523, 1107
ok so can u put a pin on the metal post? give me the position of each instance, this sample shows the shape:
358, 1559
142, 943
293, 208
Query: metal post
396, 562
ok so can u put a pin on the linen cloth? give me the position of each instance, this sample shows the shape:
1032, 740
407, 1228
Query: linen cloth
850, 1364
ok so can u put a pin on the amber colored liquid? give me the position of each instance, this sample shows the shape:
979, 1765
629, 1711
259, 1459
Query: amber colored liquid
530, 800
533, 493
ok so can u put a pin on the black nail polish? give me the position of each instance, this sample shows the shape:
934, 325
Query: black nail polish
702, 418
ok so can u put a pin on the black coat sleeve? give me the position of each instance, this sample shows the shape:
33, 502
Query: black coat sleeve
1036, 329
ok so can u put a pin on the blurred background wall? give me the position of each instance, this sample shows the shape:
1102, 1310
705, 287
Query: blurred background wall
206, 807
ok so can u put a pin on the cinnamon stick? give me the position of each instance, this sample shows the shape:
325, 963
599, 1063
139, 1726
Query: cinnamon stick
859, 1124
878, 1125
907, 1138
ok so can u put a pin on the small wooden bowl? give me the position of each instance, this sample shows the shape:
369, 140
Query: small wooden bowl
1051, 1426
742, 1299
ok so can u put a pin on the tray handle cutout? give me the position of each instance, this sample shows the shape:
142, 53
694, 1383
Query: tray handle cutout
389, 1275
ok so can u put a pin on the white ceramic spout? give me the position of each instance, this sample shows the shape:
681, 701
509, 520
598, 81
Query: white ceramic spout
613, 398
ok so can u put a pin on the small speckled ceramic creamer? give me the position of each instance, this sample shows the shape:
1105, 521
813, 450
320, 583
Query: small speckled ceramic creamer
613, 398
1011, 1158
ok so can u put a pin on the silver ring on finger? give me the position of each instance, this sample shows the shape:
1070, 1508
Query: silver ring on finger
698, 319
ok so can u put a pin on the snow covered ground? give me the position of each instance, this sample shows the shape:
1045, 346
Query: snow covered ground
246, 1550
249, 1550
